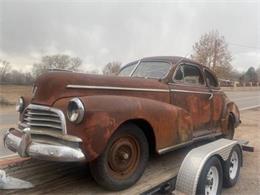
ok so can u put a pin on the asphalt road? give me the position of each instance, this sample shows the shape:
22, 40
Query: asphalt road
9, 118
244, 99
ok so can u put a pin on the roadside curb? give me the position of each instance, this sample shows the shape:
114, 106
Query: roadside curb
225, 89
249, 108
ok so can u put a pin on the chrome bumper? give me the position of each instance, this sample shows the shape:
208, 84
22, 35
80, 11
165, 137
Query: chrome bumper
22, 143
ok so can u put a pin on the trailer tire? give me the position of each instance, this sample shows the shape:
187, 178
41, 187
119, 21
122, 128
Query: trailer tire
232, 167
124, 159
211, 177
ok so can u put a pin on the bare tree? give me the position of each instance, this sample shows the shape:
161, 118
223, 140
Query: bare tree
5, 67
75, 63
92, 72
19, 78
58, 61
235, 75
212, 51
112, 68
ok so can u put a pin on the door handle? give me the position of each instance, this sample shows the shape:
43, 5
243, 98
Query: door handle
211, 96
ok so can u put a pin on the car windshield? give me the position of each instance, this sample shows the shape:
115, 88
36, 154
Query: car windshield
151, 69
127, 70
147, 69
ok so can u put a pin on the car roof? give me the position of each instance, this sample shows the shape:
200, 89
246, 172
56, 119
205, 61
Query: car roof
172, 59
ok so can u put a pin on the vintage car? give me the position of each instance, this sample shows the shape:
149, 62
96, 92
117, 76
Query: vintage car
154, 105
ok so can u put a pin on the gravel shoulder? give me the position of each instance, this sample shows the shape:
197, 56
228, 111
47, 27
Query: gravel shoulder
249, 181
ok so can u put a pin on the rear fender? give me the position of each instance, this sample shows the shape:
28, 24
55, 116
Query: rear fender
230, 109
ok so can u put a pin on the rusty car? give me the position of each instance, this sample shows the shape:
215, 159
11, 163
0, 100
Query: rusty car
153, 106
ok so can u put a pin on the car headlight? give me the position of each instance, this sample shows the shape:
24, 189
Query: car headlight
75, 112
20, 104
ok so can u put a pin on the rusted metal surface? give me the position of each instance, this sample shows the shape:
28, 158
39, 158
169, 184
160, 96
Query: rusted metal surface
175, 113
123, 157
229, 109
52, 86
105, 113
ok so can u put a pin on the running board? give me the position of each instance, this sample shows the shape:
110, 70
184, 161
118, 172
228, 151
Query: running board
175, 147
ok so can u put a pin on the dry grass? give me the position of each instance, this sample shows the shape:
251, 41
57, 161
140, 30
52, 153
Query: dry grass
5, 102
10, 93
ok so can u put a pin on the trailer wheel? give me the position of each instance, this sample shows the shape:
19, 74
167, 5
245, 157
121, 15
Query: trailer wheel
124, 159
211, 178
232, 167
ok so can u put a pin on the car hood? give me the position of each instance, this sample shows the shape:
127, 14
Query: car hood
52, 86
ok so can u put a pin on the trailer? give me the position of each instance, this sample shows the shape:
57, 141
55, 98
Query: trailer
200, 168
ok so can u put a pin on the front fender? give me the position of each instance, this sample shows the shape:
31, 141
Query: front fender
105, 113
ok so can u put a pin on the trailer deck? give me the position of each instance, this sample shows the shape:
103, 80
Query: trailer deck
74, 178
160, 175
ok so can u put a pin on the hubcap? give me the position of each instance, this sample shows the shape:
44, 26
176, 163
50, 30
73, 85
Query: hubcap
123, 157
233, 165
212, 181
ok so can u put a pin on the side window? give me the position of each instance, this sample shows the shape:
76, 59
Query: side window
192, 75
211, 80
179, 75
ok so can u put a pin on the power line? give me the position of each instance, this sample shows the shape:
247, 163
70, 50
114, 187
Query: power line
245, 46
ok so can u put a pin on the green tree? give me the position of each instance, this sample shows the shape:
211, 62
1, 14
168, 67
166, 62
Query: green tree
258, 73
249, 76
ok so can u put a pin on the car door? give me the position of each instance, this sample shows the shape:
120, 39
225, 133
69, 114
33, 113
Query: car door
217, 100
190, 92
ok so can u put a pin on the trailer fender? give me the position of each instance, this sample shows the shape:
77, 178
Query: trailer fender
192, 165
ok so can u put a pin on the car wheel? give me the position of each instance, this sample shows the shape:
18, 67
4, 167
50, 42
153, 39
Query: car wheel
231, 129
211, 178
232, 167
124, 159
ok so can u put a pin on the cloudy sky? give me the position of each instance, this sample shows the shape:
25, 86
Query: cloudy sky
103, 31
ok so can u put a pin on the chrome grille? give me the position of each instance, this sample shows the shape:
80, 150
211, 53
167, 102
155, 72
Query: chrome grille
38, 117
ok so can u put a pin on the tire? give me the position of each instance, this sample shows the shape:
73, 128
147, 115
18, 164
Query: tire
124, 159
232, 167
231, 128
211, 177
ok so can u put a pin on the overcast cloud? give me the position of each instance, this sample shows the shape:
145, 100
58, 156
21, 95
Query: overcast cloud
103, 31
